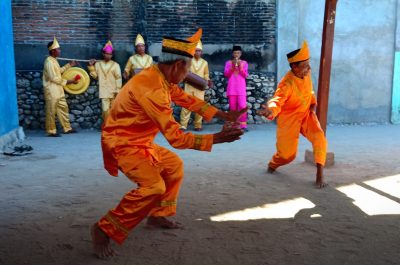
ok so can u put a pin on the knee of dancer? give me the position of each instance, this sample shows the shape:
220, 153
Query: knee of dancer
178, 170
289, 158
156, 188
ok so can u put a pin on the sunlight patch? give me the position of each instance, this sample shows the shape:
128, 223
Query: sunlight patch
284, 209
370, 202
316, 215
390, 185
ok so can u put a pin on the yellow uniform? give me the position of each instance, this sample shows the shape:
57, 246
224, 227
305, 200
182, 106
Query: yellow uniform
200, 68
54, 95
110, 82
137, 61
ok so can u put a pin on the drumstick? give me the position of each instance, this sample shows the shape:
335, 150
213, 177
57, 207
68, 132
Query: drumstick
69, 59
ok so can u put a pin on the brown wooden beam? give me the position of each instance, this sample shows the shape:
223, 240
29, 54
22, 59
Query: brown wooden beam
326, 62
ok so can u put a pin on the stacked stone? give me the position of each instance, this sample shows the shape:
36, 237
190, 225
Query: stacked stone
85, 109
30, 100
260, 87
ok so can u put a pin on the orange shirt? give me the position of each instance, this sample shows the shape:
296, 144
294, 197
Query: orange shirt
141, 110
293, 96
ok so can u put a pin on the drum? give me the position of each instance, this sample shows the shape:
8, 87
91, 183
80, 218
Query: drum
83, 80
196, 81
137, 70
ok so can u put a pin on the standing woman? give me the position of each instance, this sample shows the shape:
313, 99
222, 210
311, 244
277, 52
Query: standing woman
236, 70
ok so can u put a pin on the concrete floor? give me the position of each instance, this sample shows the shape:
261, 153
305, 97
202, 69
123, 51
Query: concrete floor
233, 212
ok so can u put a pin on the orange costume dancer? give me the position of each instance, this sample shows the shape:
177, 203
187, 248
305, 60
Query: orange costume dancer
140, 111
293, 106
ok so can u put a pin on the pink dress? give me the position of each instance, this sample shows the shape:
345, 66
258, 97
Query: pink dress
236, 90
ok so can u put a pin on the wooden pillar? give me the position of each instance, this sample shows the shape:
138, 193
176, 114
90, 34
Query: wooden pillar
326, 62
395, 114
325, 75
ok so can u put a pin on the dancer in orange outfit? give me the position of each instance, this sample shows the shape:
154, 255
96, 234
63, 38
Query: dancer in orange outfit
293, 106
140, 111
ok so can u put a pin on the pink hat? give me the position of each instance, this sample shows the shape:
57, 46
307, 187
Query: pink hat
108, 49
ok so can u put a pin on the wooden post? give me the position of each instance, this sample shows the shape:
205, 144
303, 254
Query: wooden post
326, 62
325, 75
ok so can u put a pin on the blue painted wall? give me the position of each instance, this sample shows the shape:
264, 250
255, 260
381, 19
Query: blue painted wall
8, 93
363, 53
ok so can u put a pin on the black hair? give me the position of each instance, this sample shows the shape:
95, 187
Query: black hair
49, 44
296, 63
293, 53
236, 48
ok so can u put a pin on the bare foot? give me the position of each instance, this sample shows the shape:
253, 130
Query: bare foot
162, 222
101, 243
319, 182
270, 170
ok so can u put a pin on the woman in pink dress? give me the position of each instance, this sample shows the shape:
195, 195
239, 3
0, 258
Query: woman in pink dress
236, 71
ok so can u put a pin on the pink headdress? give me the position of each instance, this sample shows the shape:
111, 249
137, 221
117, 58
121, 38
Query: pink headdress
108, 48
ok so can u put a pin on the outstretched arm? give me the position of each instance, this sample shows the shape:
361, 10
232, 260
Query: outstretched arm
192, 103
231, 116
227, 135
274, 106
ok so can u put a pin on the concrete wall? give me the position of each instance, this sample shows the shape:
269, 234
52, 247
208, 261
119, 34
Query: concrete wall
363, 53
8, 96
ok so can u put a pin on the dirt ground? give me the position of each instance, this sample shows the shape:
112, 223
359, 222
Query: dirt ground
49, 199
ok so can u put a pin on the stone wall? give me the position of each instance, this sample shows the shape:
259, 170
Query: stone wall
85, 109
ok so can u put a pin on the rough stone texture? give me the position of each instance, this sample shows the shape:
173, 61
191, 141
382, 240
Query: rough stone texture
85, 109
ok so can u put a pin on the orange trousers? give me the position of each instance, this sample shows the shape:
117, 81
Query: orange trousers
156, 195
287, 138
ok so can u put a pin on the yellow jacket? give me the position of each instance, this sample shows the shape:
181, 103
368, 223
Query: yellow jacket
109, 76
53, 83
137, 61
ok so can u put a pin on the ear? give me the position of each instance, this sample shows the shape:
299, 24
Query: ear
180, 64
